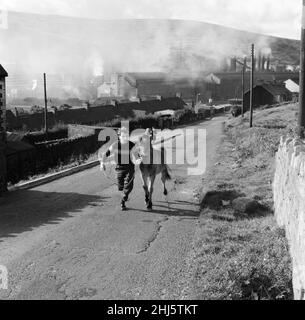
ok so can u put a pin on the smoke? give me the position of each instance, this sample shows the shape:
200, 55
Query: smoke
88, 48
95, 64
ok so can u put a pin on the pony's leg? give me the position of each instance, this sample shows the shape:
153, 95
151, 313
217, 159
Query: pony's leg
163, 179
150, 191
145, 187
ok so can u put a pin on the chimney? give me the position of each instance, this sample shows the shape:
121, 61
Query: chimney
233, 64
263, 63
259, 67
245, 61
179, 95
268, 63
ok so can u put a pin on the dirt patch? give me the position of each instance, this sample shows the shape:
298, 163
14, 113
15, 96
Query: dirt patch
217, 200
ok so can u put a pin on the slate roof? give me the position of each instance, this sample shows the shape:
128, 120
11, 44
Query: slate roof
274, 89
265, 76
297, 81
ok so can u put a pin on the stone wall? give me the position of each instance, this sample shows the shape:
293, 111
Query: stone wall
289, 202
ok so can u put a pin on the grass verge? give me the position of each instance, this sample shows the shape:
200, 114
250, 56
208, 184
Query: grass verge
240, 252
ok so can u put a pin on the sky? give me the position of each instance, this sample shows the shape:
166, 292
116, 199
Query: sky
274, 17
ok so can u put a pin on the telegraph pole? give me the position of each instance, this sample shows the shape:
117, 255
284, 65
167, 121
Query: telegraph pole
301, 121
244, 69
45, 104
243, 90
251, 84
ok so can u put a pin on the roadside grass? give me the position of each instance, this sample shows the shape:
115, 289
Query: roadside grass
72, 163
243, 254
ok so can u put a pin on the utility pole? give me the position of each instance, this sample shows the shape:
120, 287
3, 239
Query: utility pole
301, 121
244, 68
243, 90
251, 84
45, 104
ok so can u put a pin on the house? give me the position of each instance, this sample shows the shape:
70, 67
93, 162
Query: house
3, 75
228, 85
294, 87
267, 94
150, 84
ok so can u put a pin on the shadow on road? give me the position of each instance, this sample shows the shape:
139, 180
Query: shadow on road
28, 209
172, 209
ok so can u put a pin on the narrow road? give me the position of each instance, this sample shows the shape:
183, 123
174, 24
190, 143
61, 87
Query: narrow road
69, 240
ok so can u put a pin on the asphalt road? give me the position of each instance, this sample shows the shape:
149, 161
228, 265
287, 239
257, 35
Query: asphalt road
69, 239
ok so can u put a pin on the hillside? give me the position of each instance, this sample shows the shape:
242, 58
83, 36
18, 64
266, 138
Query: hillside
87, 46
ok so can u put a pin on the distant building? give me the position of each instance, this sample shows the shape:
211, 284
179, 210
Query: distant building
228, 85
3, 75
293, 86
149, 84
267, 94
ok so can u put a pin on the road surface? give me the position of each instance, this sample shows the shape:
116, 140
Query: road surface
69, 239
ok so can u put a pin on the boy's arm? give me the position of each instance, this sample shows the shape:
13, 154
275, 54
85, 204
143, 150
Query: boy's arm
103, 154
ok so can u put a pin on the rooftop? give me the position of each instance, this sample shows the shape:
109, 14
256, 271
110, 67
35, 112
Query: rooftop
258, 75
274, 89
3, 73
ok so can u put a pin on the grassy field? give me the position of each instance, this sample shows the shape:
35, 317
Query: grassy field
240, 253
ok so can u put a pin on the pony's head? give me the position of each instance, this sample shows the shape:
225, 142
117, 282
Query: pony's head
145, 142
123, 135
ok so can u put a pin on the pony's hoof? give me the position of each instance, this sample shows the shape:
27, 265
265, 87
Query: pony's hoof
149, 206
165, 192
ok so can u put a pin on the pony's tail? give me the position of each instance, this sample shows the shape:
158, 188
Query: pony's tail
167, 176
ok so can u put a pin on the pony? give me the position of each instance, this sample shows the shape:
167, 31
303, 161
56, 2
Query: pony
152, 164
